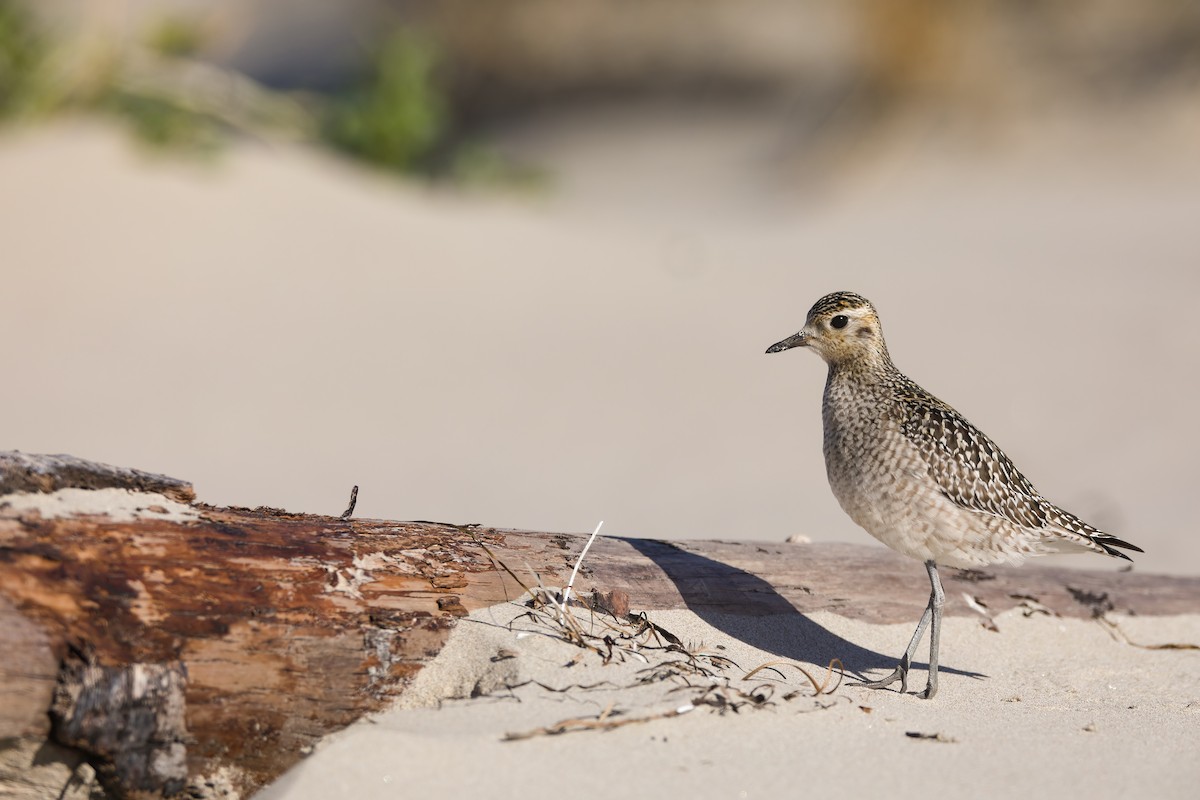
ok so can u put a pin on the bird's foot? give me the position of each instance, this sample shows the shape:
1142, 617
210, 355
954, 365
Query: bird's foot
899, 674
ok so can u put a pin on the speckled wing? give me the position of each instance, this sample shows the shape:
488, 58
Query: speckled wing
975, 474
967, 466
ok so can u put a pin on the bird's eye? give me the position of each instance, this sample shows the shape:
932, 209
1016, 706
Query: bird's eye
839, 321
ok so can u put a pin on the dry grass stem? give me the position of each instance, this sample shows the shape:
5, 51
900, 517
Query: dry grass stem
818, 688
566, 595
603, 722
694, 669
980, 608
500, 564
1116, 633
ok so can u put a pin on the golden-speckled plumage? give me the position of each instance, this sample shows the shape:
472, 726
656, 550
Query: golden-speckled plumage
915, 474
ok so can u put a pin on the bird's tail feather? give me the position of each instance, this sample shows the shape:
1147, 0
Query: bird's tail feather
1109, 543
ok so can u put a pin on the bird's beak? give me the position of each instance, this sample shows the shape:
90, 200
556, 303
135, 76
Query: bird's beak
795, 340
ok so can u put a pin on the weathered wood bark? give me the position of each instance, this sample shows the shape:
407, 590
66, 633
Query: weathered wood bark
28, 472
203, 656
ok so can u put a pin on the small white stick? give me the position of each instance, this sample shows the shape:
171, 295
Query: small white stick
567, 592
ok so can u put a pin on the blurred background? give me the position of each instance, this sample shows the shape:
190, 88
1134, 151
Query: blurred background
517, 262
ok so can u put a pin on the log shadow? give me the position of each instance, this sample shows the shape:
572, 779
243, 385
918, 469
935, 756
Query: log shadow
747, 608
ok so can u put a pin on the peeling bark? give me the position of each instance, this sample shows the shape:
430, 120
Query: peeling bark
274, 629
29, 472
129, 718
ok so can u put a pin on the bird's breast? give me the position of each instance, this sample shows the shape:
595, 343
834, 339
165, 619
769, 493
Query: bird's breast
873, 469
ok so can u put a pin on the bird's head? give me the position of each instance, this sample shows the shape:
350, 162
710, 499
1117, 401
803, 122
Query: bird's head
843, 329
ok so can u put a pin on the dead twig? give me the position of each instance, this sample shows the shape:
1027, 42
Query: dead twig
724, 697
980, 608
695, 669
501, 565
1098, 603
931, 737
581, 687
1116, 633
350, 508
566, 594
1030, 605
604, 721
818, 688
645, 624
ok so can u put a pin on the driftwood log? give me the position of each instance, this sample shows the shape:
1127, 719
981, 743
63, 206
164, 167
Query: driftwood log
201, 653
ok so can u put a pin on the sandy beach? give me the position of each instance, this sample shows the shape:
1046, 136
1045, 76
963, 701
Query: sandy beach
1044, 707
277, 326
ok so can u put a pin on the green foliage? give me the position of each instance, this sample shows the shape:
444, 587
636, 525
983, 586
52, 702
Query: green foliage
176, 37
22, 53
398, 116
473, 164
157, 116
163, 122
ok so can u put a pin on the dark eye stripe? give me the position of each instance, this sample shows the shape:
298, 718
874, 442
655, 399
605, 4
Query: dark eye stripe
839, 321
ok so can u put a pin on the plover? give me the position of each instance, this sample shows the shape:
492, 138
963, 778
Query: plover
917, 475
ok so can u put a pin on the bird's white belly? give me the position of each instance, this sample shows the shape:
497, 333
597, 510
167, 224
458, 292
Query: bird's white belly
885, 488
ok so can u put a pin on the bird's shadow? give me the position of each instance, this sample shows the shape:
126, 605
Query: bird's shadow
761, 617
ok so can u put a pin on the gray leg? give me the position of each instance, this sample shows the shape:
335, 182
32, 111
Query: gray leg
933, 614
901, 671
937, 599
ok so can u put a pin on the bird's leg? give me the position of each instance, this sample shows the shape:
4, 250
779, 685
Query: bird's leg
937, 598
901, 671
933, 614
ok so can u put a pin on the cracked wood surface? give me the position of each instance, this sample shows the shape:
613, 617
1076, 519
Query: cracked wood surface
261, 631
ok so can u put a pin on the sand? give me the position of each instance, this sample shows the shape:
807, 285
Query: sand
1045, 707
276, 327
